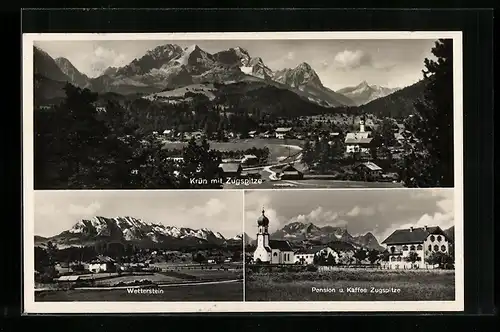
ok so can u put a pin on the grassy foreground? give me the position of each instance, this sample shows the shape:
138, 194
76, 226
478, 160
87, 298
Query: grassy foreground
187, 293
357, 285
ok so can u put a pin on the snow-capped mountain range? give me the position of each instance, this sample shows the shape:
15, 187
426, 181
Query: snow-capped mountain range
130, 229
170, 66
299, 231
363, 93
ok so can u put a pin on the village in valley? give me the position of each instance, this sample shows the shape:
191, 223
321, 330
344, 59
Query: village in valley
310, 152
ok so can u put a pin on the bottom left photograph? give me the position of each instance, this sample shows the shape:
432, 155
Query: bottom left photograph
96, 246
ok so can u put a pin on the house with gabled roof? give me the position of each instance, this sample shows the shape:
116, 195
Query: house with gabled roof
230, 170
289, 172
102, 264
369, 170
306, 256
282, 133
421, 241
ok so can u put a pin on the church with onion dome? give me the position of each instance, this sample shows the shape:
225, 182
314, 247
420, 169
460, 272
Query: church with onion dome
271, 251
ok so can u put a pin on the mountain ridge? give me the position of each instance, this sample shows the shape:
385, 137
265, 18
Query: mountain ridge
133, 230
170, 66
300, 231
364, 93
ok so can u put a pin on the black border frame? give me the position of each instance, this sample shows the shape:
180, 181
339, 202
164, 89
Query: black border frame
477, 29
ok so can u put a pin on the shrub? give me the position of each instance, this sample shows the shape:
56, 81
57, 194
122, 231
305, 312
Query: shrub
312, 268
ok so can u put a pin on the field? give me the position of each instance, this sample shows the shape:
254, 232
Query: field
177, 283
423, 285
224, 291
304, 184
156, 278
277, 148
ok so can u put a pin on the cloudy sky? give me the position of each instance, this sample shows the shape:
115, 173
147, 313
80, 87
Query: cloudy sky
361, 211
339, 63
221, 211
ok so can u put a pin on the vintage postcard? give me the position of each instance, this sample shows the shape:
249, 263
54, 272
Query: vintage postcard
243, 111
243, 172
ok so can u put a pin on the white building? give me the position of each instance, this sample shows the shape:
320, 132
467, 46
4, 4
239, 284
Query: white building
271, 251
306, 256
359, 141
249, 159
102, 264
283, 133
421, 241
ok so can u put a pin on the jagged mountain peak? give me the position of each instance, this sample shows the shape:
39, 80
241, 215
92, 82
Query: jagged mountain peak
304, 66
193, 47
300, 231
363, 84
364, 93
164, 51
241, 49
76, 77
299, 77
131, 229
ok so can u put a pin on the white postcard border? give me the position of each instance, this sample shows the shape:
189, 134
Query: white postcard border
31, 307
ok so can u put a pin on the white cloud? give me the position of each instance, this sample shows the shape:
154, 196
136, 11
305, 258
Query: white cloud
214, 207
444, 220
361, 211
349, 60
102, 58
446, 205
82, 210
318, 216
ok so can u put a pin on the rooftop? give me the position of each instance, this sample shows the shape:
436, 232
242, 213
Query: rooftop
415, 235
230, 167
280, 244
282, 129
371, 166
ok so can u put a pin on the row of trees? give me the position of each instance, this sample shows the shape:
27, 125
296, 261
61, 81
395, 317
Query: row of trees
77, 147
359, 256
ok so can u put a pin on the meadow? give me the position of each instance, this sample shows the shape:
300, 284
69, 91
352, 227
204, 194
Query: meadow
352, 285
226, 291
277, 148
304, 184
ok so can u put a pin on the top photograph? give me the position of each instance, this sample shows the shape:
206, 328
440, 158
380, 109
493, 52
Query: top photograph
242, 110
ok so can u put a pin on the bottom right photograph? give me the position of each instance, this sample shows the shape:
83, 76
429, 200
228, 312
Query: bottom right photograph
350, 245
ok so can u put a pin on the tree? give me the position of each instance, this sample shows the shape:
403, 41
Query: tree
236, 256
428, 157
199, 163
154, 170
198, 258
316, 259
373, 256
330, 260
360, 255
308, 153
440, 258
51, 253
412, 257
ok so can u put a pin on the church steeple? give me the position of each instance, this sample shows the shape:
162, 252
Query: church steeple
362, 124
263, 220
